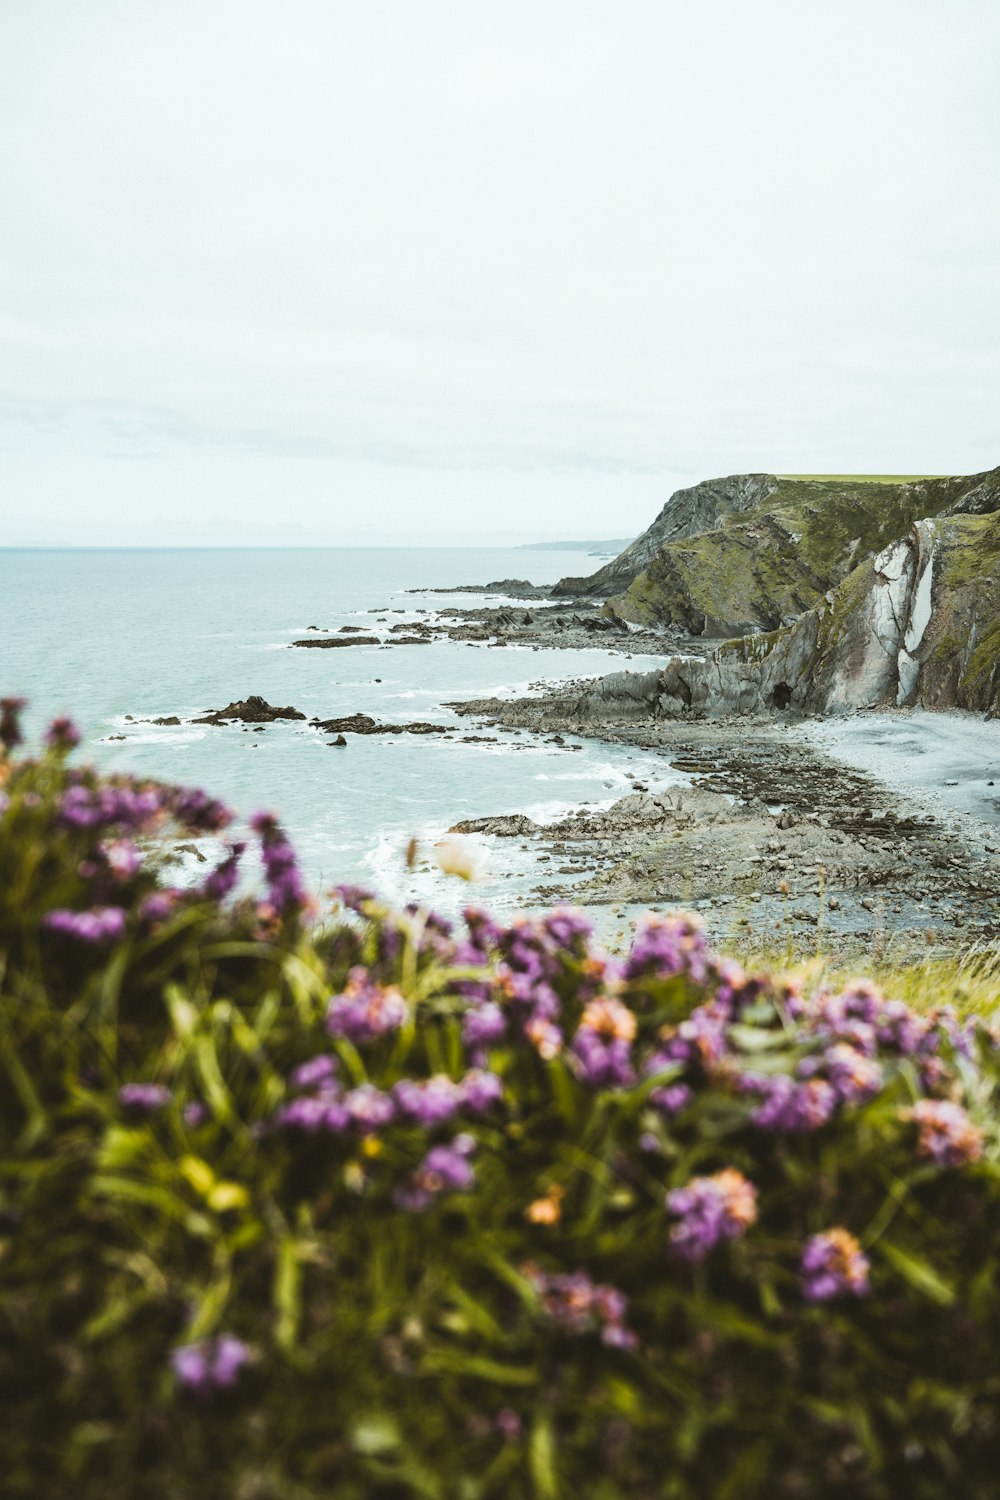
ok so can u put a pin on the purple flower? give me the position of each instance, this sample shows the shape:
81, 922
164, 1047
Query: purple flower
354, 897
144, 1098
105, 924
221, 882
947, 1136
315, 1112
429, 1102
444, 1169
670, 1100
484, 933
509, 1425
853, 1076
121, 858
709, 1210
483, 1026
366, 1010
159, 906
317, 1071
665, 946
194, 1114
790, 1105
568, 929
285, 889
578, 1305
833, 1264
211, 1365
62, 734
602, 1062
198, 812
119, 806
368, 1108
480, 1090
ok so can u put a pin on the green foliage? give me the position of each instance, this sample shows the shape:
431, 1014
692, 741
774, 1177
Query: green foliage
404, 1346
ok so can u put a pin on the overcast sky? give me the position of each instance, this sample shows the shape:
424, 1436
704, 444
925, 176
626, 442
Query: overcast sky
428, 270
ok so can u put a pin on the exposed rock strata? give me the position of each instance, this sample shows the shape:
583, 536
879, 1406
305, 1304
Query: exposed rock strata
918, 625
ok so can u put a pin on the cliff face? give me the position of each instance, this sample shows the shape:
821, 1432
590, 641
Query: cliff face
687, 513
918, 624
754, 552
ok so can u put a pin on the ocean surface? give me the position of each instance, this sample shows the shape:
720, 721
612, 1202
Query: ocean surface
101, 635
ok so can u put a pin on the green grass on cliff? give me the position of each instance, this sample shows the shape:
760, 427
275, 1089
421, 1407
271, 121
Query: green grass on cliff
756, 569
864, 478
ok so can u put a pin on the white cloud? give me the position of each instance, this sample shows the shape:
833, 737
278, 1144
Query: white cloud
262, 251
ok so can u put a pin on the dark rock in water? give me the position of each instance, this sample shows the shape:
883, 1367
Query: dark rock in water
365, 724
190, 849
351, 630
329, 642
517, 588
506, 825
253, 710
117, 736
338, 742
171, 719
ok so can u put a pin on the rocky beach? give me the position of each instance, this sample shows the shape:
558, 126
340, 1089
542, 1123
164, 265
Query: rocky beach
816, 676
826, 806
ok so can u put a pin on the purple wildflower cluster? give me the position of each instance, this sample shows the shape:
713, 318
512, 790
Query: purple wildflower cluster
709, 1210
144, 1098
62, 734
211, 1365
121, 806
105, 924
945, 1134
286, 892
223, 879
520, 997
445, 1169
578, 1305
365, 1010
666, 946
602, 1046
833, 1265
196, 811
433, 1101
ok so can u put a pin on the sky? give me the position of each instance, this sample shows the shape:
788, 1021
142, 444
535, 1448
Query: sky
359, 272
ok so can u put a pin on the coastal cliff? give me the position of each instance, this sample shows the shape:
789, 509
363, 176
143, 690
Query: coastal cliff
837, 594
917, 625
755, 551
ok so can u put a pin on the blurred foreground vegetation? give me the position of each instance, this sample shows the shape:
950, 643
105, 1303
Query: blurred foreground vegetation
299, 1203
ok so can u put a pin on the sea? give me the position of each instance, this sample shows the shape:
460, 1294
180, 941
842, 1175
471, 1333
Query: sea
118, 637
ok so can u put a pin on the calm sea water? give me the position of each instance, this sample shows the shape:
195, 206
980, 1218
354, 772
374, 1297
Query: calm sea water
104, 634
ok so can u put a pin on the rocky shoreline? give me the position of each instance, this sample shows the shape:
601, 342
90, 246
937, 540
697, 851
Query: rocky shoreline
776, 843
574, 625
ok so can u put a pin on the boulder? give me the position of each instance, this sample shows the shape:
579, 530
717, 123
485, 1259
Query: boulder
252, 710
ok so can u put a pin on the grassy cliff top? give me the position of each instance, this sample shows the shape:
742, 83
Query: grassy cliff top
864, 478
